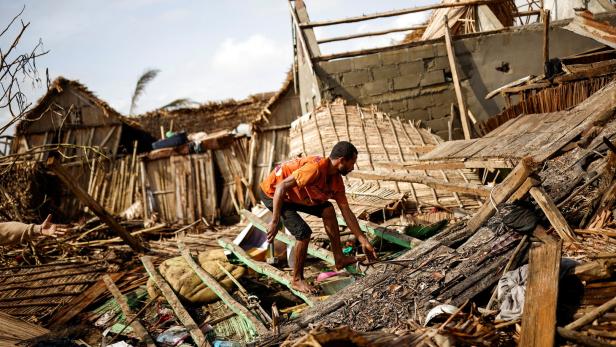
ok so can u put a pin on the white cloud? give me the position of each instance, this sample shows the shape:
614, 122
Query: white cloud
252, 53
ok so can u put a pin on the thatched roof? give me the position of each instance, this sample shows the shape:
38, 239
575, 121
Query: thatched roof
465, 20
56, 88
265, 112
209, 117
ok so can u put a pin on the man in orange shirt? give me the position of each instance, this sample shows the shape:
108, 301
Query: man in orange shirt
306, 185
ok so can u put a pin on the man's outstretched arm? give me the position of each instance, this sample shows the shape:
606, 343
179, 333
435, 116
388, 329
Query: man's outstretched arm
353, 224
281, 189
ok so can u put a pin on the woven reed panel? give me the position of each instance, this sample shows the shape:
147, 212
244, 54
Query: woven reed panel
380, 140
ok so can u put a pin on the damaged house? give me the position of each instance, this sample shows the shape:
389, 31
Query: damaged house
484, 182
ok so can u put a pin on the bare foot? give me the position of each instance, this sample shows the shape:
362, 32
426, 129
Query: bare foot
302, 286
344, 262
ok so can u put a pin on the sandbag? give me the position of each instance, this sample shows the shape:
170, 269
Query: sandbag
187, 285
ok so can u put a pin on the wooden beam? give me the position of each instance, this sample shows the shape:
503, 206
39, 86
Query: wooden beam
93, 205
554, 216
314, 251
180, 312
592, 315
539, 319
239, 309
373, 33
501, 193
451, 54
523, 190
468, 188
398, 12
386, 234
582, 339
144, 193
265, 269
545, 15
80, 302
138, 328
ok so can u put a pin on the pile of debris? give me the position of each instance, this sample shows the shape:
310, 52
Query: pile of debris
507, 238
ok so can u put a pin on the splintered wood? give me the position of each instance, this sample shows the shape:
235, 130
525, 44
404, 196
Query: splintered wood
539, 320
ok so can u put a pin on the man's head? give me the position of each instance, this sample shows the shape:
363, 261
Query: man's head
343, 157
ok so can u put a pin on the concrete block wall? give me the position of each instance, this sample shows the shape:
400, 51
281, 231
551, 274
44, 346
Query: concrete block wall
415, 82
412, 83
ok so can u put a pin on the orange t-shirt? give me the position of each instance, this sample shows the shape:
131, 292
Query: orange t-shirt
314, 185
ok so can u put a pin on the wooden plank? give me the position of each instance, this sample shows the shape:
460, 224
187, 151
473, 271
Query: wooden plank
398, 12
545, 16
539, 319
80, 302
94, 206
523, 190
468, 188
500, 193
386, 234
180, 312
451, 55
222, 293
554, 216
266, 269
138, 328
14, 331
314, 251
372, 33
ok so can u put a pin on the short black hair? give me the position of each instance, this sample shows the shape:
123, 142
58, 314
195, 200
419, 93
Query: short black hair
343, 149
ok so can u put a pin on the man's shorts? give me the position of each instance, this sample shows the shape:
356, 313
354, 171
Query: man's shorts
291, 219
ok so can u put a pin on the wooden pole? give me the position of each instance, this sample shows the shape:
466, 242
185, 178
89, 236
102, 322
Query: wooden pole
144, 192
314, 251
554, 216
265, 269
141, 332
373, 33
222, 293
94, 206
582, 339
451, 54
545, 14
469, 188
181, 313
399, 12
592, 315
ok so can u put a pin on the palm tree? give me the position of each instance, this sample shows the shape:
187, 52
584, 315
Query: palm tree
142, 82
178, 103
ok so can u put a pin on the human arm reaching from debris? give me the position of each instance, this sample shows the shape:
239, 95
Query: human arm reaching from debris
16, 232
353, 224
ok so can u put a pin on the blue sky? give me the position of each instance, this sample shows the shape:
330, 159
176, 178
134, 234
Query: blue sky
206, 50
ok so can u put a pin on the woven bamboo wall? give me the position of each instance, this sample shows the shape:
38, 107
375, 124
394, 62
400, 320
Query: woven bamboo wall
380, 140
232, 162
183, 187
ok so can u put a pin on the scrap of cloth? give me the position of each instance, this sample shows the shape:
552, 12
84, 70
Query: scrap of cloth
510, 292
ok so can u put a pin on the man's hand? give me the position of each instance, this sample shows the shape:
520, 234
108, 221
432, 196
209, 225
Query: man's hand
368, 250
48, 228
272, 230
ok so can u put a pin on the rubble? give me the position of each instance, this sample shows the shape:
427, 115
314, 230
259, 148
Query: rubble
506, 237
